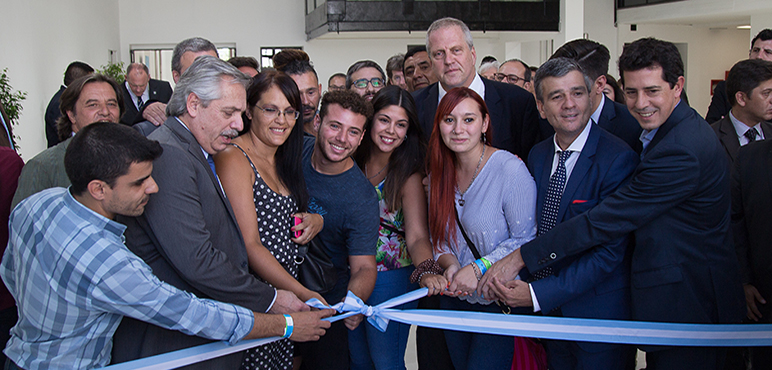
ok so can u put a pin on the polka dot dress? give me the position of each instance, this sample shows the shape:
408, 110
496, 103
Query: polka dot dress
274, 219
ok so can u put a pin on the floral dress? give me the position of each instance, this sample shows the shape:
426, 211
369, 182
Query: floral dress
391, 249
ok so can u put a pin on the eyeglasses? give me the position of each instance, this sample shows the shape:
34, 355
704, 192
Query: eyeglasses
362, 82
273, 113
511, 79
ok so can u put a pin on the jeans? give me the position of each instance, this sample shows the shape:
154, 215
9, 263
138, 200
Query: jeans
369, 348
470, 351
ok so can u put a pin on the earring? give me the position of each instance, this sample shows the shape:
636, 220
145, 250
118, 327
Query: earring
484, 139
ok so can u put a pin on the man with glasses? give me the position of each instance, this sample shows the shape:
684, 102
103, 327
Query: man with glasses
453, 57
365, 78
515, 72
337, 82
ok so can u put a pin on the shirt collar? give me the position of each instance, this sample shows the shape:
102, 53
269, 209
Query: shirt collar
145, 94
477, 86
740, 127
92, 217
596, 115
578, 143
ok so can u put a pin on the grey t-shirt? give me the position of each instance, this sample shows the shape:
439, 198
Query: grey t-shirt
349, 205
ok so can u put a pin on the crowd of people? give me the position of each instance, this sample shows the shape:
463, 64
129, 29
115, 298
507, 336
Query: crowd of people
160, 219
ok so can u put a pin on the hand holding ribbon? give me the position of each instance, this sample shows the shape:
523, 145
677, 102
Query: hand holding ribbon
377, 316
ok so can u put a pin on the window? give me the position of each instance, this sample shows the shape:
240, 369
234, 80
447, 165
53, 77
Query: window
158, 58
267, 53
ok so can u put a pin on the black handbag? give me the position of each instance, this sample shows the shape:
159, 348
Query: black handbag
503, 306
315, 269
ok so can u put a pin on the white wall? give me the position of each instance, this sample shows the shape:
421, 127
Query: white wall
52, 33
39, 39
711, 52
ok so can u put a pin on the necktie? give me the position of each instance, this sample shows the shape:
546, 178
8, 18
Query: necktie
210, 160
139, 102
549, 211
751, 134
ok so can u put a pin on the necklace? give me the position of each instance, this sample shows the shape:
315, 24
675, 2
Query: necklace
379, 172
476, 171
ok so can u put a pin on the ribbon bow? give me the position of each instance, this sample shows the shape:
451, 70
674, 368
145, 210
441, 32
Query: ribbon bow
378, 316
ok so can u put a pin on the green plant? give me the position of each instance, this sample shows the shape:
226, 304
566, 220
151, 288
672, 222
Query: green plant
114, 70
11, 100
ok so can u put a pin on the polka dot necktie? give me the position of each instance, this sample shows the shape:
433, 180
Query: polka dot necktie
549, 211
751, 134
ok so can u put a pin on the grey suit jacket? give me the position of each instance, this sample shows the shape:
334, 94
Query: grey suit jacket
728, 136
189, 237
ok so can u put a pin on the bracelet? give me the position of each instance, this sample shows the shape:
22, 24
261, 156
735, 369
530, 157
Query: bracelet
289, 325
486, 263
480, 265
429, 265
476, 270
422, 275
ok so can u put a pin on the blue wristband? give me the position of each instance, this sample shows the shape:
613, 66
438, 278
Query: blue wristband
481, 266
288, 326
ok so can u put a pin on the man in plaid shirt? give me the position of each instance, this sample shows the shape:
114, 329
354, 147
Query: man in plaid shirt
74, 279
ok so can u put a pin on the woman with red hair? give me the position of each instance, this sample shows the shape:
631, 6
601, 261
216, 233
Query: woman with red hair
481, 196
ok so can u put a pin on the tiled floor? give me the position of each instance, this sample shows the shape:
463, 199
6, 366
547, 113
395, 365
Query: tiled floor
412, 362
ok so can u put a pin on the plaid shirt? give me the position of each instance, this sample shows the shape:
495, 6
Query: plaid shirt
74, 279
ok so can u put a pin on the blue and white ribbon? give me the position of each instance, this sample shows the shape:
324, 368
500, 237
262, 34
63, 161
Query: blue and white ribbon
563, 328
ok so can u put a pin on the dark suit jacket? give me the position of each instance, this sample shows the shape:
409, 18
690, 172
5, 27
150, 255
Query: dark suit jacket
160, 91
514, 118
616, 119
751, 202
595, 284
684, 267
728, 136
189, 237
52, 114
719, 104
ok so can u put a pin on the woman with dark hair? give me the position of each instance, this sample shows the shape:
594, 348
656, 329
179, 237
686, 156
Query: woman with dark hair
480, 196
263, 178
391, 156
613, 91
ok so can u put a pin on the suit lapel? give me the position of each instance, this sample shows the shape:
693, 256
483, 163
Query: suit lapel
544, 179
607, 115
493, 100
583, 164
430, 103
728, 137
194, 148
677, 116
766, 128
768, 164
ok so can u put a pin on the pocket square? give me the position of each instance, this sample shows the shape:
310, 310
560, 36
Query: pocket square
578, 201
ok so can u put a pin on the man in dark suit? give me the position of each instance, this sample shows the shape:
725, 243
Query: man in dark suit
761, 48
684, 268
139, 89
747, 84
512, 109
574, 170
188, 234
74, 71
612, 116
751, 202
